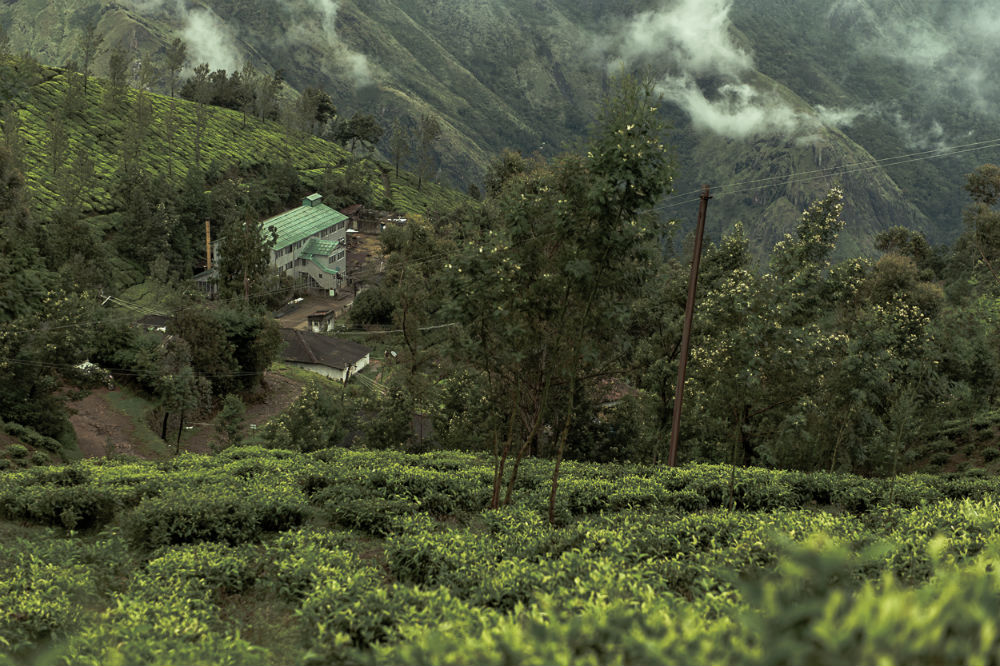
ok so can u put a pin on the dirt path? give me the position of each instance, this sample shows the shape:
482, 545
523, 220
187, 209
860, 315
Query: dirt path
100, 427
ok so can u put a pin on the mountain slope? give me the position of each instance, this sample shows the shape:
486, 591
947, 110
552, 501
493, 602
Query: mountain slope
166, 145
842, 82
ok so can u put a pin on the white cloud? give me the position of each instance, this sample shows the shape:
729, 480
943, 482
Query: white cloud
694, 32
210, 40
706, 72
351, 63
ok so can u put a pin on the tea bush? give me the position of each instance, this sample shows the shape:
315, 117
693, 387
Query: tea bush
348, 556
219, 512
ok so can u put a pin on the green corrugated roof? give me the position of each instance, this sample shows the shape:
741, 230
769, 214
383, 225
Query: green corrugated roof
302, 222
321, 246
318, 247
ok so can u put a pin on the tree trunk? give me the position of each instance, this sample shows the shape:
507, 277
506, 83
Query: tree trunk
501, 460
180, 429
559, 452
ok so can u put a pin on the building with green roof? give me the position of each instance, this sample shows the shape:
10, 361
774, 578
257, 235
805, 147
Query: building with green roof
311, 244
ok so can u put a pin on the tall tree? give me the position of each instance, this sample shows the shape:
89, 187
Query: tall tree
176, 58
399, 143
90, 44
545, 289
982, 217
428, 133
118, 68
245, 269
360, 128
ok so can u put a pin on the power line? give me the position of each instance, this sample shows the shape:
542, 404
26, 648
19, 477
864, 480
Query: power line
397, 330
815, 174
167, 313
117, 371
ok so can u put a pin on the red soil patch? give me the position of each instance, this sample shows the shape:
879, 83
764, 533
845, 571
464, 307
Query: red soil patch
99, 426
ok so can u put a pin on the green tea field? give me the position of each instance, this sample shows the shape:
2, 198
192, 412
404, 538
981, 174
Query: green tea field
258, 556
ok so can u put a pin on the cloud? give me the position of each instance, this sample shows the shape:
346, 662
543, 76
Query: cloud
305, 33
210, 40
948, 49
707, 74
694, 32
736, 111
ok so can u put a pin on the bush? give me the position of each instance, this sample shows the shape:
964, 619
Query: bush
354, 508
40, 458
17, 451
990, 454
71, 507
939, 458
221, 514
31, 437
39, 600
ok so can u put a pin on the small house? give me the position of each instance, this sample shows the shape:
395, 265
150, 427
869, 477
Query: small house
321, 321
330, 357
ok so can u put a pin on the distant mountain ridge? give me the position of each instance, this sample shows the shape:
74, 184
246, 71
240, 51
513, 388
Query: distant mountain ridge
530, 75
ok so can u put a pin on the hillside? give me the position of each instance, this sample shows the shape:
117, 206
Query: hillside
166, 145
858, 80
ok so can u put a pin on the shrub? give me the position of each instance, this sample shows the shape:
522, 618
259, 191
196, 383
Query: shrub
17, 451
71, 507
353, 611
990, 453
39, 599
939, 458
220, 513
221, 567
40, 458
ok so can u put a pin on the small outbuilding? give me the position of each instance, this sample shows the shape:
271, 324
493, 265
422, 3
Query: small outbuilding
331, 357
321, 321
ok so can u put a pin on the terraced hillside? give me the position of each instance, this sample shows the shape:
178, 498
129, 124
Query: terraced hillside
167, 142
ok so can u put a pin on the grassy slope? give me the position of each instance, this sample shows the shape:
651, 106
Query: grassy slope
99, 131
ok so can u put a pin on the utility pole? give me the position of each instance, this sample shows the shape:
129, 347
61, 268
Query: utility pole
675, 430
208, 245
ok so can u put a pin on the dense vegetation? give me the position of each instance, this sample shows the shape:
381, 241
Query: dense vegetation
103, 186
257, 556
540, 325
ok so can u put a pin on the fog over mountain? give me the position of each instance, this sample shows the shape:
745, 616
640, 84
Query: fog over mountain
757, 90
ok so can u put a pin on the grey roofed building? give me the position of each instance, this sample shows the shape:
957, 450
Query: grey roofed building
330, 357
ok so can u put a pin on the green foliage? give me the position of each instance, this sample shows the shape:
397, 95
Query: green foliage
227, 513
41, 598
314, 421
168, 146
229, 420
637, 571
229, 346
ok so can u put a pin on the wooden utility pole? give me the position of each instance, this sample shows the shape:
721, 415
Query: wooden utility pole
675, 430
208, 245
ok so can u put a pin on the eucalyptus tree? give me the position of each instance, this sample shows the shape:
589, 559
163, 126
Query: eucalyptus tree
544, 286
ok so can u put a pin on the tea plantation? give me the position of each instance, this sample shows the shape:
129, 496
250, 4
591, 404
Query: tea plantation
258, 556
